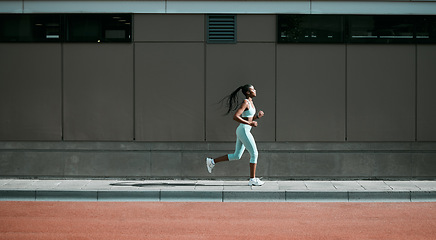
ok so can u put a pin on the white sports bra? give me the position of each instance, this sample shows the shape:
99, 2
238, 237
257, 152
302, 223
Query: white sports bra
250, 111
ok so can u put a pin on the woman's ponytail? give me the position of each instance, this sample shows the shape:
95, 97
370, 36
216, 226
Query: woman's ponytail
232, 100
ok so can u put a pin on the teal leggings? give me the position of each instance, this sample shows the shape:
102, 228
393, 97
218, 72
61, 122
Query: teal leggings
244, 140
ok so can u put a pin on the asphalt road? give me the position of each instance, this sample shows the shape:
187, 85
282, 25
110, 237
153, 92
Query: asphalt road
179, 220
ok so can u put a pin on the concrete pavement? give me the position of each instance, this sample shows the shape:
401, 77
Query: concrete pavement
216, 190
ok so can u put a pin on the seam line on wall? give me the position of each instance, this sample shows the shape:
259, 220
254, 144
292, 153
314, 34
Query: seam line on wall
62, 93
134, 92
132, 32
275, 92
416, 92
205, 75
346, 93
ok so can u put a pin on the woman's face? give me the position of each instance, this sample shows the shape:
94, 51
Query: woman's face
252, 92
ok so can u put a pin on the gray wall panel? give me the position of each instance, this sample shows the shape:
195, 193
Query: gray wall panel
256, 28
310, 92
400, 160
381, 92
169, 91
98, 92
227, 68
149, 27
31, 163
426, 107
30, 92
106, 163
424, 164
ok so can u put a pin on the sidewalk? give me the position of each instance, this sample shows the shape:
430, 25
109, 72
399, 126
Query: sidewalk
216, 191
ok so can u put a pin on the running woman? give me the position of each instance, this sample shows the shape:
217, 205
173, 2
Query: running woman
245, 114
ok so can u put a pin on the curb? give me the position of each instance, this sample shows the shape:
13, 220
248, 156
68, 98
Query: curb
219, 196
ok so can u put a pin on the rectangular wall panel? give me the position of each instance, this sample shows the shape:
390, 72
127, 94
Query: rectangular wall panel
310, 92
381, 92
173, 27
98, 92
30, 92
229, 66
169, 91
426, 109
256, 28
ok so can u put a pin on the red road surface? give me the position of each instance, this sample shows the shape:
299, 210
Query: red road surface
121, 220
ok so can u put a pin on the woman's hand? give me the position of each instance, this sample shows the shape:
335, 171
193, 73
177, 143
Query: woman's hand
260, 114
253, 124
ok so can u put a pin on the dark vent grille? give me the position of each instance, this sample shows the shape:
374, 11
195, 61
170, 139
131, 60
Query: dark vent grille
221, 29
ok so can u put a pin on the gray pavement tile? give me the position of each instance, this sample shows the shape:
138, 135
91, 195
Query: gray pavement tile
4, 182
292, 185
269, 186
319, 186
211, 182
19, 184
425, 185
178, 185
73, 184
46, 184
236, 186
402, 185
375, 185
209, 185
347, 186
97, 185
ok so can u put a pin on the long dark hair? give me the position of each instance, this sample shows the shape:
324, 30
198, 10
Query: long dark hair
232, 100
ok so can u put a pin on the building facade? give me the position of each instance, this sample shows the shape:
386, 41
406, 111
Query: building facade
132, 88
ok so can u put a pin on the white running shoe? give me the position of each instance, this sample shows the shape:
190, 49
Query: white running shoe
255, 182
210, 164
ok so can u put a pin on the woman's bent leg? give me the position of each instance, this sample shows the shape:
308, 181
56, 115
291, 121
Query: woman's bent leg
239, 150
247, 140
221, 159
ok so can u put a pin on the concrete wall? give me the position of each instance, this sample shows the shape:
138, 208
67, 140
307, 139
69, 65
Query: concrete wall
159, 94
283, 160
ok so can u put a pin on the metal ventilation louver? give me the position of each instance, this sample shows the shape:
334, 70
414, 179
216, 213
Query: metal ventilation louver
221, 28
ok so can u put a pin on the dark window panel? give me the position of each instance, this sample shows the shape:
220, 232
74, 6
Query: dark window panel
30, 28
381, 29
311, 29
426, 29
65, 27
99, 27
388, 29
